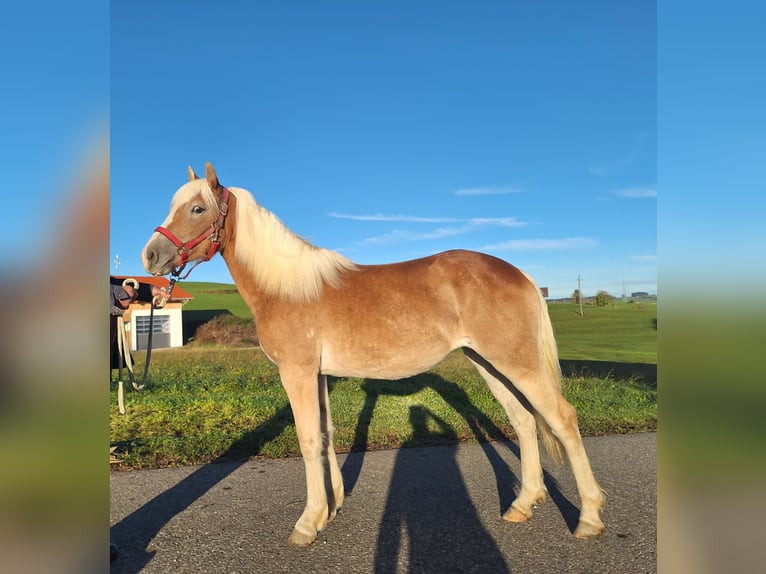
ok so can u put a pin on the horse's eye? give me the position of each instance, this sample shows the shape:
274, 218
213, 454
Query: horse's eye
198, 209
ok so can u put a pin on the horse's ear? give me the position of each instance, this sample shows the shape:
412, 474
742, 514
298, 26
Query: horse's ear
192, 175
210, 176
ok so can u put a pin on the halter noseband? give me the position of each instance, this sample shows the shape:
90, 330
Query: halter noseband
211, 233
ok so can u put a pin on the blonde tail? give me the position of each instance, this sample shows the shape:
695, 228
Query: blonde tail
552, 445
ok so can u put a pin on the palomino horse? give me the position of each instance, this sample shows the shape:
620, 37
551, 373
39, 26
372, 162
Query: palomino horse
319, 314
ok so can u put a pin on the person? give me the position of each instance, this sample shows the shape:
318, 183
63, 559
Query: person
122, 294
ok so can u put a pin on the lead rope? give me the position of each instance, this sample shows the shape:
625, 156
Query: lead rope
123, 357
158, 302
120, 351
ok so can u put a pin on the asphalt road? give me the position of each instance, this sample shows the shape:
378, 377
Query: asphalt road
434, 509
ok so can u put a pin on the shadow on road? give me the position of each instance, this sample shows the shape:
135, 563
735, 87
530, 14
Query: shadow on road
482, 428
435, 522
133, 533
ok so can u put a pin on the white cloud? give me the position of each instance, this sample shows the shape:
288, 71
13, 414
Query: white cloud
637, 192
501, 221
405, 218
543, 244
470, 221
395, 236
476, 191
400, 236
469, 225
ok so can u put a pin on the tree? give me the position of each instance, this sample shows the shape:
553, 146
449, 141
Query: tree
603, 299
576, 296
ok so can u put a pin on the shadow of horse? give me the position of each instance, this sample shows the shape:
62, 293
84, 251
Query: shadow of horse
434, 528
134, 533
642, 373
482, 427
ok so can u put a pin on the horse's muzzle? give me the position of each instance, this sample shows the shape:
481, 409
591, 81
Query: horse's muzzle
158, 259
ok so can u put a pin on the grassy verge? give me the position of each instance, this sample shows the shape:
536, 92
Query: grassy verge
213, 404
209, 403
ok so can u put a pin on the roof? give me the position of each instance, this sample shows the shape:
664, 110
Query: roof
178, 293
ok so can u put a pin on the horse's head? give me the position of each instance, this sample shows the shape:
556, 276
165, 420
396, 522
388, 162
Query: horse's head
192, 229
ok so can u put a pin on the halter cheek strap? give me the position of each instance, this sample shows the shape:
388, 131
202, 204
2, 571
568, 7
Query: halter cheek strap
212, 233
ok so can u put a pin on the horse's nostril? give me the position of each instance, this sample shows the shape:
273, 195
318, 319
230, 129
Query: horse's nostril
151, 255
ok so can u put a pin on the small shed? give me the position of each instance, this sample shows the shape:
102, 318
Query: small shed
167, 327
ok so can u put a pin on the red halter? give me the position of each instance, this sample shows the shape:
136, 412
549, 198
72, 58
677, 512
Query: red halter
211, 233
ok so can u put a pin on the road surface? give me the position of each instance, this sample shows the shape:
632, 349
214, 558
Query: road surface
431, 510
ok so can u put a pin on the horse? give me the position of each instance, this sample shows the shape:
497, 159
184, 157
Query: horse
319, 314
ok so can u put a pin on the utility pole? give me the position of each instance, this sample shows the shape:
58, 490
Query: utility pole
579, 291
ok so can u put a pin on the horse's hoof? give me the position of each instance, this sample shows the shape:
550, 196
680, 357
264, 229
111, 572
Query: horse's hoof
515, 515
588, 530
301, 539
332, 516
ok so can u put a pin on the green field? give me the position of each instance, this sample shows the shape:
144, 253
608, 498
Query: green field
622, 332
211, 297
207, 404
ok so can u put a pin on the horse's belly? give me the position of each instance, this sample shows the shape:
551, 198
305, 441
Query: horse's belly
391, 362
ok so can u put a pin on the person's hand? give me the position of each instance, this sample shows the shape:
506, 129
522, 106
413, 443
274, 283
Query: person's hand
131, 293
159, 296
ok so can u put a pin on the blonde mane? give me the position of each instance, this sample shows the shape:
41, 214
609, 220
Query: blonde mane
284, 265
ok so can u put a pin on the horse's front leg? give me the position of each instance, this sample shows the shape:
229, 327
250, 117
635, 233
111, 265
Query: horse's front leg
335, 490
303, 390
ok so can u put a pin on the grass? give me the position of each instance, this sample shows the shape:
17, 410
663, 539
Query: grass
621, 332
215, 296
207, 404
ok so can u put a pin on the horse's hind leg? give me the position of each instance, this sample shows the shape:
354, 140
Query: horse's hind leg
335, 491
560, 416
562, 419
532, 489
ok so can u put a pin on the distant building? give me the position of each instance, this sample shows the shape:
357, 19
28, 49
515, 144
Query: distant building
544, 291
639, 294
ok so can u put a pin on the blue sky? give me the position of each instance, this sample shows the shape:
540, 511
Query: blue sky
395, 130
54, 58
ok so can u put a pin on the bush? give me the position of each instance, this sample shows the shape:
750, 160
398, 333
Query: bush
227, 330
603, 299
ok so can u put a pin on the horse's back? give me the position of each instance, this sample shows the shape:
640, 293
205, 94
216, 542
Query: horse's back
461, 264
487, 290
457, 265
458, 277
